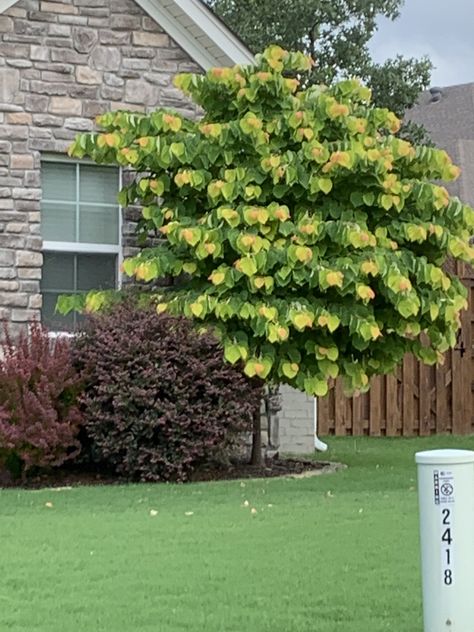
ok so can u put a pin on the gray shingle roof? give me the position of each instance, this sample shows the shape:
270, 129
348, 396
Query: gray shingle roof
450, 122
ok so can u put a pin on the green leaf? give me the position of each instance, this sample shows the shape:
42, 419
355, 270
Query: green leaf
325, 185
368, 199
232, 353
315, 386
289, 369
178, 150
248, 266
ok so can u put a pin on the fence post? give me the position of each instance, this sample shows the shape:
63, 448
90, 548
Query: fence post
446, 501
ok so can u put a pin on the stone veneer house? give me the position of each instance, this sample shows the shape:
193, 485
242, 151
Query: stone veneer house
62, 62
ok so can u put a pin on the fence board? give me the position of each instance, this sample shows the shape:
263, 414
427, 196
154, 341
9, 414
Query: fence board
375, 407
424, 400
443, 394
324, 424
458, 394
408, 396
391, 403
357, 419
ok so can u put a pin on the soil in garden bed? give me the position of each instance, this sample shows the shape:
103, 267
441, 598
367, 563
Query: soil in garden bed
69, 476
271, 468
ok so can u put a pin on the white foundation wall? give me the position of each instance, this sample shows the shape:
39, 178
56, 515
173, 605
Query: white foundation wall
296, 422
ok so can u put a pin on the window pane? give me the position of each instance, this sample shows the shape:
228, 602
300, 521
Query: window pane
53, 321
96, 272
58, 272
58, 221
98, 184
58, 181
98, 225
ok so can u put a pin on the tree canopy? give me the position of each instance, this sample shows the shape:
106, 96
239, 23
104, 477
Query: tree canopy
310, 236
336, 34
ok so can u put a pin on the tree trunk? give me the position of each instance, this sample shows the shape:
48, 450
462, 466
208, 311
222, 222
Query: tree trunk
256, 456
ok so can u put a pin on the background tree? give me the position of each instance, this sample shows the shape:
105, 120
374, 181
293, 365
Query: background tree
312, 236
336, 34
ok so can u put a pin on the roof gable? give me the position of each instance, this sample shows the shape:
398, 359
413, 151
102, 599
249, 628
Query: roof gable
197, 30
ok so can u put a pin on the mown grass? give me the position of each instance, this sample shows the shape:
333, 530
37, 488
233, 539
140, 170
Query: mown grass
336, 553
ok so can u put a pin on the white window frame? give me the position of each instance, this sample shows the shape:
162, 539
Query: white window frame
74, 247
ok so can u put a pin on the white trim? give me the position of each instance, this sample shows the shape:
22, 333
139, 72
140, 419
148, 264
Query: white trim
64, 158
6, 4
120, 229
216, 30
78, 247
211, 27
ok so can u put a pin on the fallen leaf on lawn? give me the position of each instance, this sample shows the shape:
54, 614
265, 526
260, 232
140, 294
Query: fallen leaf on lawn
189, 513
153, 512
253, 510
49, 505
329, 494
246, 503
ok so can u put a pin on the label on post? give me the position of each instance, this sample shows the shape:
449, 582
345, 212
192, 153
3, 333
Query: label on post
444, 498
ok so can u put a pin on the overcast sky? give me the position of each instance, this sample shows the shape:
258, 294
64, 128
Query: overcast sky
441, 29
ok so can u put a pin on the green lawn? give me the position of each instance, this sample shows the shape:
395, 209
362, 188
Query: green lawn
335, 553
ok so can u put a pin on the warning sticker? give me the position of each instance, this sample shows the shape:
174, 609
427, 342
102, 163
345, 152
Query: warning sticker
443, 487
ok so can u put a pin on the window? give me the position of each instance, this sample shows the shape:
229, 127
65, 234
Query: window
81, 230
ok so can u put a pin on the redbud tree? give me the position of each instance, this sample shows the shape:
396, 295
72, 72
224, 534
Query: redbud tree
310, 238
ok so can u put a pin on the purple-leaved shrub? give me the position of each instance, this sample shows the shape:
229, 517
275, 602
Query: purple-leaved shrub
159, 398
39, 420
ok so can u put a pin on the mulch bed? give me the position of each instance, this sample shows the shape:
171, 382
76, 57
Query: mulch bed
69, 477
273, 467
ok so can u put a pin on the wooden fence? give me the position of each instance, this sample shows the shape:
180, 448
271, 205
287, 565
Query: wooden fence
418, 400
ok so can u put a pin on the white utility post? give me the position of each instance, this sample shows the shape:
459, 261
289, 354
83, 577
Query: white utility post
446, 499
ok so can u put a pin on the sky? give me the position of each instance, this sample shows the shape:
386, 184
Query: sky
441, 29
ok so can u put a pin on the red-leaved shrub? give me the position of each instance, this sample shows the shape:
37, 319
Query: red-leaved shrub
159, 399
38, 389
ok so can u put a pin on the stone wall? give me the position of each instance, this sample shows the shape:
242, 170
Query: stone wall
61, 64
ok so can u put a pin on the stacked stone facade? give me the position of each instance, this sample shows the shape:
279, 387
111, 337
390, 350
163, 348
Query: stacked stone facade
61, 64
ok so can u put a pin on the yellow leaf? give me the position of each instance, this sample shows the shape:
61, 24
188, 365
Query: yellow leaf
337, 110
197, 309
369, 267
217, 278
190, 235
282, 213
334, 279
304, 254
303, 320
365, 292
375, 332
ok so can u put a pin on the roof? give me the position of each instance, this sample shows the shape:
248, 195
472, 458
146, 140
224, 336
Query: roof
195, 28
448, 115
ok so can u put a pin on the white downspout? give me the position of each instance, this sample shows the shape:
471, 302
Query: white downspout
318, 444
